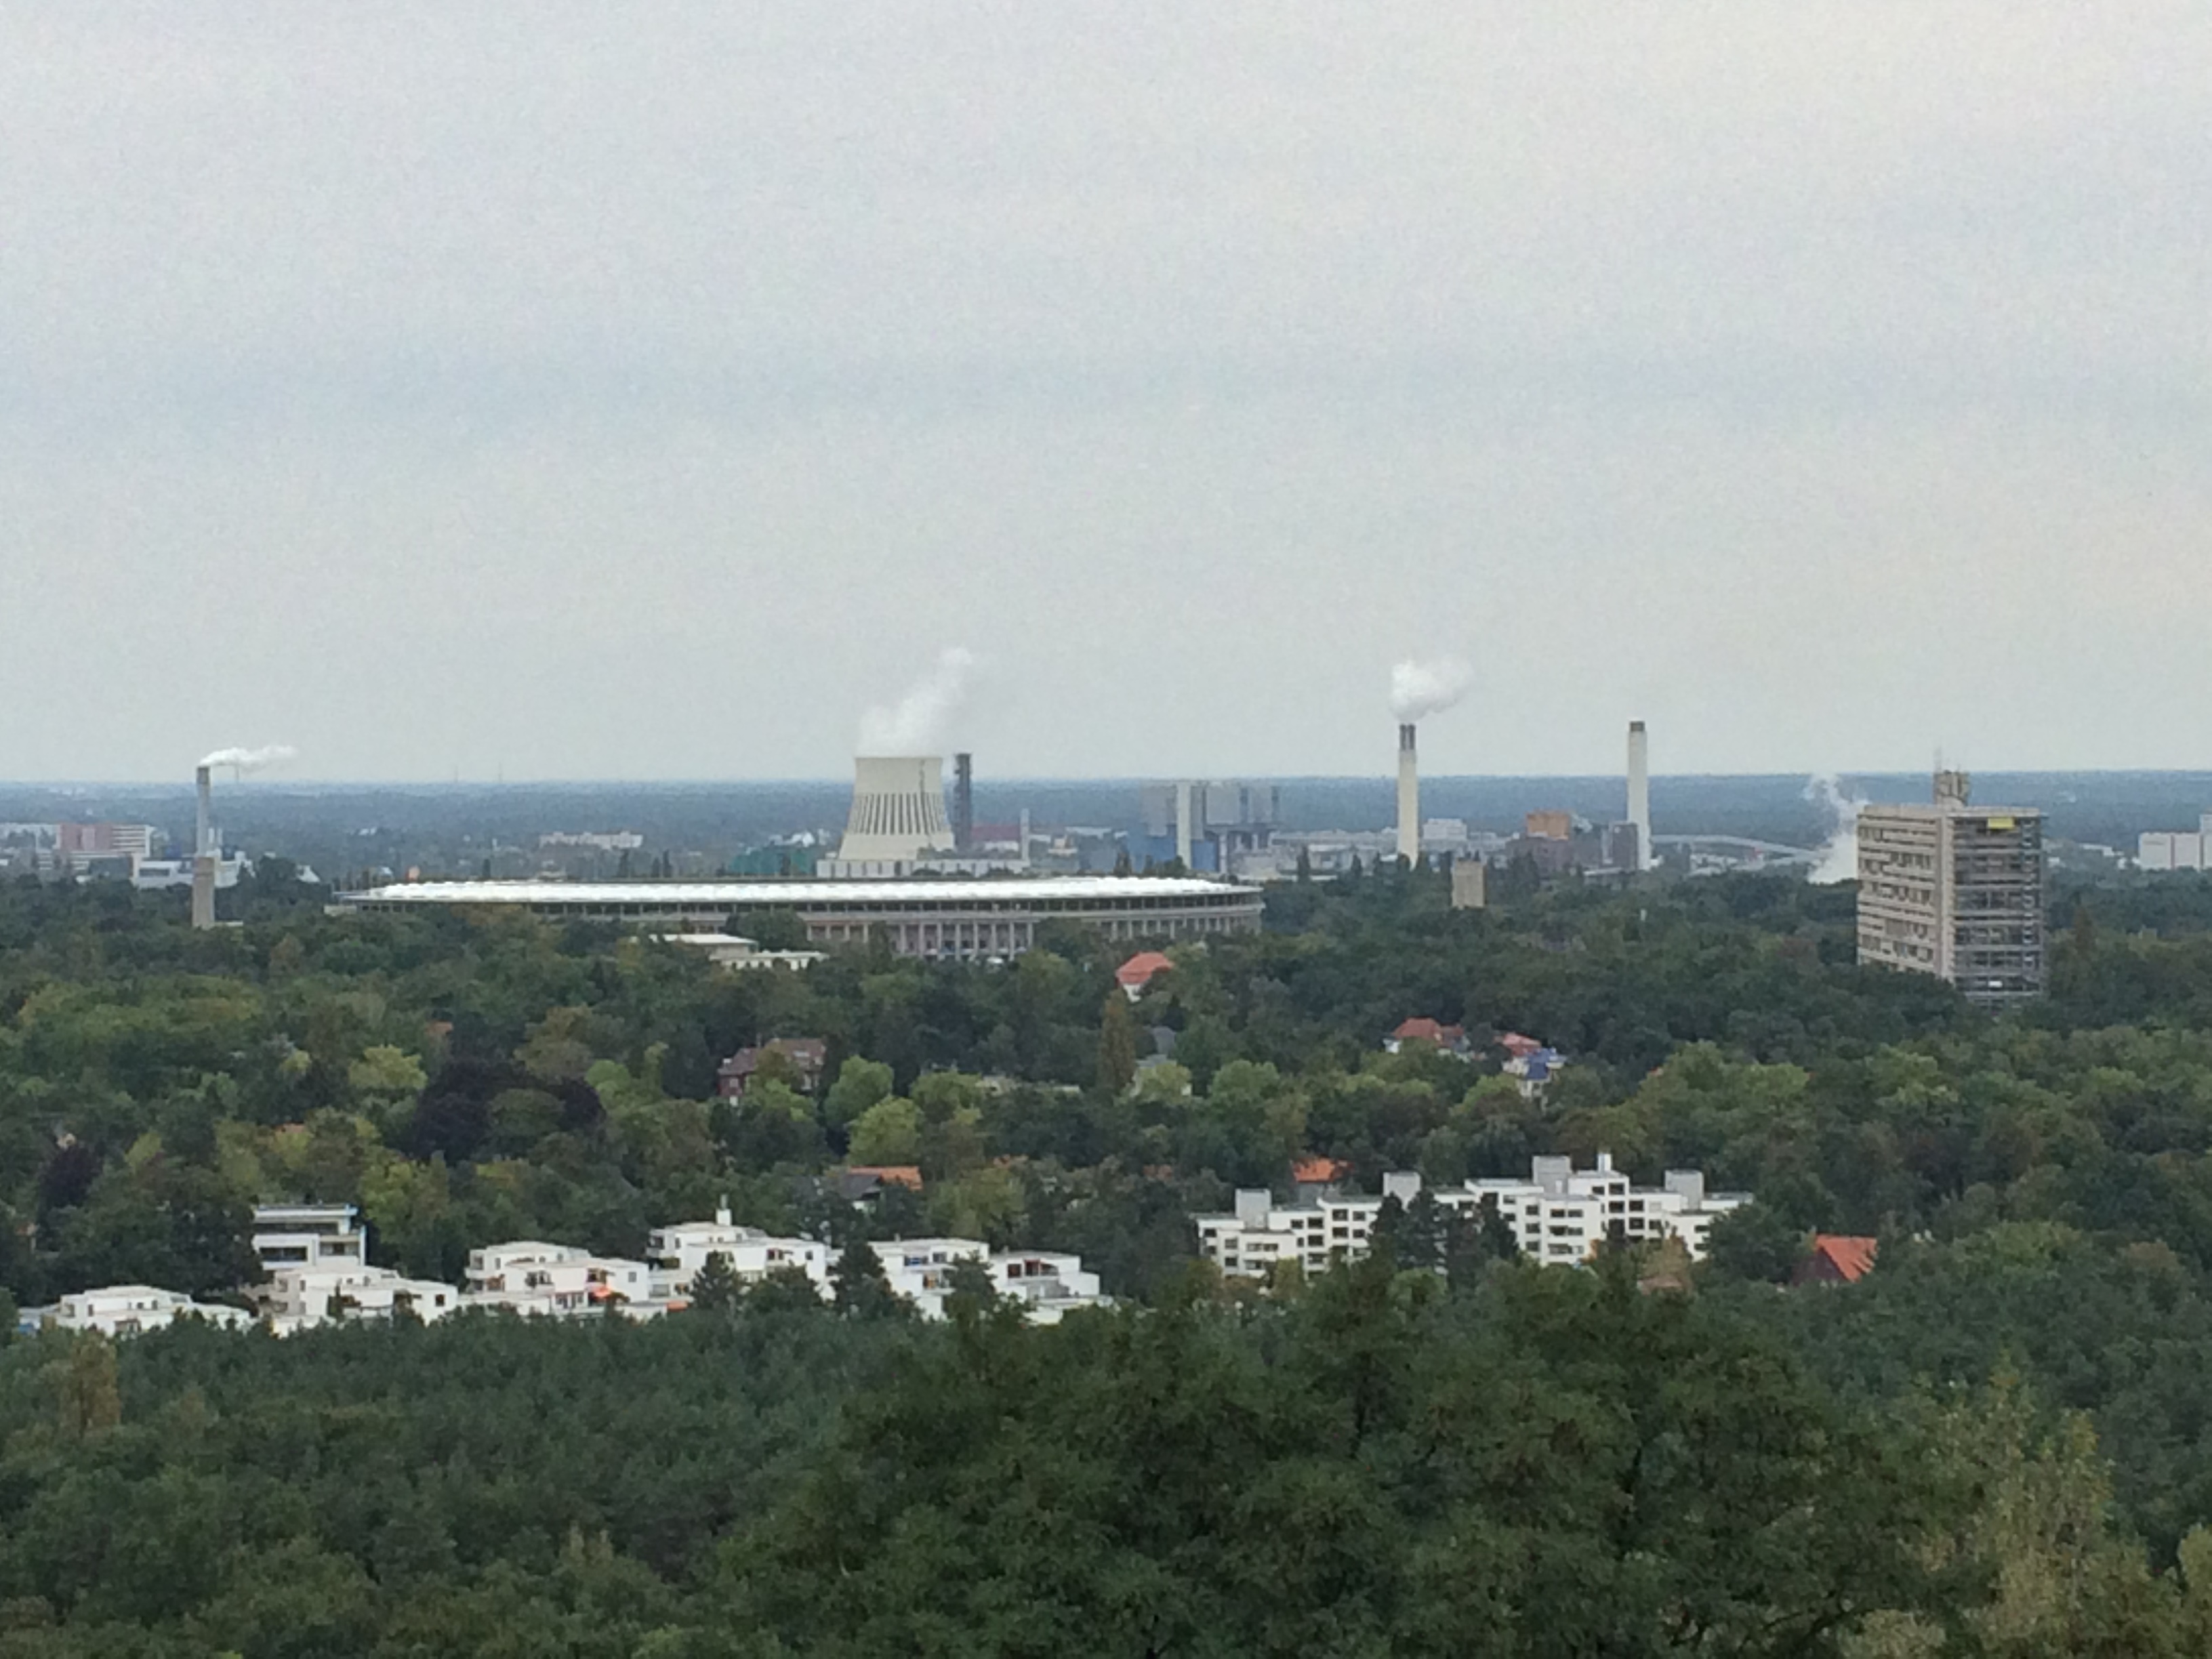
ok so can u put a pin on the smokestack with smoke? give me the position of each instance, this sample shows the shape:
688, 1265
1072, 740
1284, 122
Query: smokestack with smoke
917, 724
1839, 853
1417, 690
207, 843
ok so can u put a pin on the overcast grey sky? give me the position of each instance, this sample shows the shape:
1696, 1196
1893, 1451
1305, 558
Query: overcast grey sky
606, 390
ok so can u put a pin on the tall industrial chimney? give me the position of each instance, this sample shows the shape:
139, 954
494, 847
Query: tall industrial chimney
963, 803
203, 855
1184, 836
1639, 792
1409, 798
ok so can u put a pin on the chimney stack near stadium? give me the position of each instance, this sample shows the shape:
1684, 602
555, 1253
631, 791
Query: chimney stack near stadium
204, 852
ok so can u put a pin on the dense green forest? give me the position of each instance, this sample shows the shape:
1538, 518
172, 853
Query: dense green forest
1999, 1442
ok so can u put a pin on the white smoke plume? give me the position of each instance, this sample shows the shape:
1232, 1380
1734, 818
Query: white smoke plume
918, 723
1418, 689
251, 760
1839, 853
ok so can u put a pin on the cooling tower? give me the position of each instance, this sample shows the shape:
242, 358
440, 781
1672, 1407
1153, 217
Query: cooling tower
1639, 792
1409, 798
898, 808
203, 855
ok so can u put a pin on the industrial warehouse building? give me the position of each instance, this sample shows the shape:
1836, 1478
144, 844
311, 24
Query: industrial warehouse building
971, 919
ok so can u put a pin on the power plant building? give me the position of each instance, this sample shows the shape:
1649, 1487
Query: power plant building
1955, 890
1209, 826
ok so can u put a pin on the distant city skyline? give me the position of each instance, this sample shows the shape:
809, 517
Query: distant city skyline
650, 395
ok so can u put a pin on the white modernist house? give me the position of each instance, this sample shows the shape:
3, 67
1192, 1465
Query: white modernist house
1046, 1285
301, 1298
558, 1281
1560, 1216
309, 1235
127, 1310
679, 1252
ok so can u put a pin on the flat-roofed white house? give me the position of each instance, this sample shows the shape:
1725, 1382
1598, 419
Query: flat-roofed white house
1049, 1286
560, 1281
127, 1310
678, 1252
301, 1298
309, 1235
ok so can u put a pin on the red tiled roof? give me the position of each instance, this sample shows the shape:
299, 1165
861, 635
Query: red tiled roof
1139, 969
1428, 1030
1318, 1171
1518, 1046
1851, 1257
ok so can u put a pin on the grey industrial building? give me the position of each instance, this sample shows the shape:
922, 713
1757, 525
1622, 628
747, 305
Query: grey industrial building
1956, 890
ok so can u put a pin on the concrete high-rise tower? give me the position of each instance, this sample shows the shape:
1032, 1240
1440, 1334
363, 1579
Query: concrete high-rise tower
1639, 792
1409, 797
1956, 890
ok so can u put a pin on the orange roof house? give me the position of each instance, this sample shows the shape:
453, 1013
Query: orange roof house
1451, 1039
1319, 1171
1140, 970
1837, 1259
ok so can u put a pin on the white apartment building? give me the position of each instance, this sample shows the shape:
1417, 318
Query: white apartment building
2176, 849
301, 1298
558, 1281
127, 1310
1559, 1216
309, 1235
679, 1252
1048, 1285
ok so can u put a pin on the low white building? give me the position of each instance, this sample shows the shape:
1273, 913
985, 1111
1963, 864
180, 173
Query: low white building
301, 1298
679, 1252
737, 952
1560, 1216
559, 1281
2177, 849
309, 1236
1046, 1285
127, 1310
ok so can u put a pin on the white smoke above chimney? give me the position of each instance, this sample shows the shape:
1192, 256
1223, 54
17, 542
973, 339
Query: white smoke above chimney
1418, 689
250, 760
918, 723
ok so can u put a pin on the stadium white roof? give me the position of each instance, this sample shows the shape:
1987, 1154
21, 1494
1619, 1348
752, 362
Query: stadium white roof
798, 893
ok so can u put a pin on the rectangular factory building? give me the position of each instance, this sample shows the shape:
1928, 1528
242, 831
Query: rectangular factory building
1955, 890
